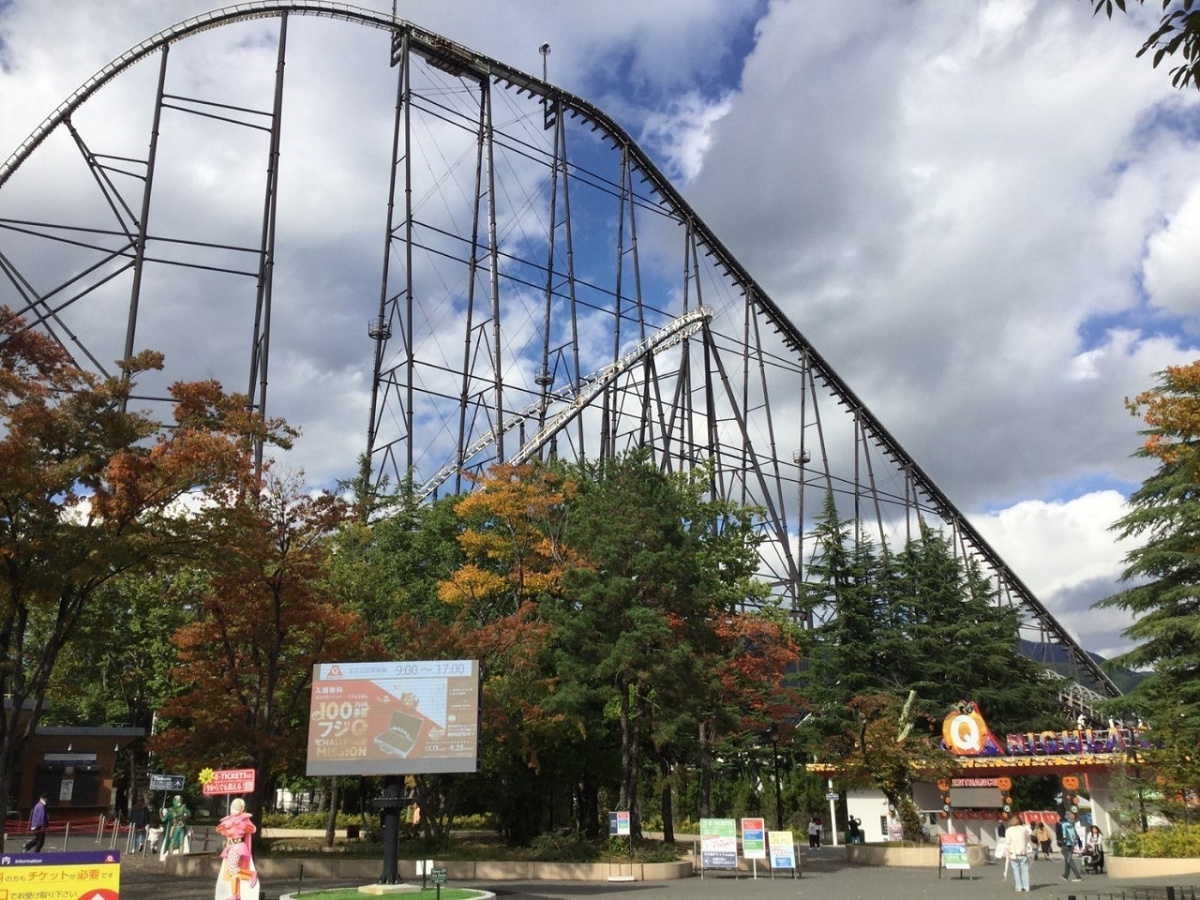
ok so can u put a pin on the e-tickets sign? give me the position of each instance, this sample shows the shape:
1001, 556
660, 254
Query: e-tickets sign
227, 781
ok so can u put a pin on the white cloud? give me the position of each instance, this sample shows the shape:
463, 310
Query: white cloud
1068, 556
964, 206
1172, 261
683, 132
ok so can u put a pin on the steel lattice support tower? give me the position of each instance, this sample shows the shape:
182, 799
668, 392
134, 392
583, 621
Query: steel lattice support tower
532, 285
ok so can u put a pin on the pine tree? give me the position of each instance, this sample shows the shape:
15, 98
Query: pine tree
1164, 571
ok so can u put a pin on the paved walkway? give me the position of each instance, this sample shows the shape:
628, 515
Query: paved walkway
826, 875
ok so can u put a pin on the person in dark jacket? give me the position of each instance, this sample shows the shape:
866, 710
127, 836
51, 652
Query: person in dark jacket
39, 821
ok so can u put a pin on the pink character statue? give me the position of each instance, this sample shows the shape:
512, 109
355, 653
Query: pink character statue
238, 879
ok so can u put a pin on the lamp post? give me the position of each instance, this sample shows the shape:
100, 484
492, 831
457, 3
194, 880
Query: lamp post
773, 737
801, 458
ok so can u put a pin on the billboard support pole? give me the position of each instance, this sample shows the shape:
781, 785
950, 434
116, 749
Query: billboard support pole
389, 808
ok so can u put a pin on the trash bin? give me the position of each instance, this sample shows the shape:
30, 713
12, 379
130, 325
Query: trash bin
352, 832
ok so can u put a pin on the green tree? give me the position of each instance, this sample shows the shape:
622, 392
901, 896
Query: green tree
1163, 572
848, 650
940, 602
116, 669
90, 491
888, 746
664, 565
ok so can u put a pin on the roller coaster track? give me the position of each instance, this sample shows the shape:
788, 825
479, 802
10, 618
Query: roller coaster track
533, 317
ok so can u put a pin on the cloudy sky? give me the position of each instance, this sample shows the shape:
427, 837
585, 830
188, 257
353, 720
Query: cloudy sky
985, 215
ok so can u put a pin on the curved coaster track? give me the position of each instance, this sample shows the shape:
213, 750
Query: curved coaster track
518, 279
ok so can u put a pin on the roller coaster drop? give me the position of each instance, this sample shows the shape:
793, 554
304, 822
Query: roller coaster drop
531, 300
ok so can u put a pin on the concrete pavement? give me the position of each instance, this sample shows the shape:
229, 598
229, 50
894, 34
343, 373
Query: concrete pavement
826, 874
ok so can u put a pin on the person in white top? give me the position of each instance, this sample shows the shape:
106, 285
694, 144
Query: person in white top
1018, 844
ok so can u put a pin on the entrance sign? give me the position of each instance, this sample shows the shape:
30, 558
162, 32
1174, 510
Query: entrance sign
954, 851
965, 733
90, 875
227, 781
754, 839
394, 718
718, 844
783, 849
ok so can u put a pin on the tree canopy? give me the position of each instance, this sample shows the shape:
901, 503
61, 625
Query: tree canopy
89, 492
1163, 571
1178, 32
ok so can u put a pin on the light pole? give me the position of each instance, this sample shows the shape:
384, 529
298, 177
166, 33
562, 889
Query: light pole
773, 737
801, 458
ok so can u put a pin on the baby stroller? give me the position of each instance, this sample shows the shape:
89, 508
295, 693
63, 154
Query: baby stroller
1093, 860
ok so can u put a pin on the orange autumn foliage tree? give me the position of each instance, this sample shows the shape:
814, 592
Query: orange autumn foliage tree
90, 491
1171, 412
245, 666
512, 541
760, 652
515, 560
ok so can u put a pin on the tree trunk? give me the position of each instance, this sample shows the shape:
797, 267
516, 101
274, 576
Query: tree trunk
624, 800
632, 703
705, 774
588, 808
331, 819
668, 807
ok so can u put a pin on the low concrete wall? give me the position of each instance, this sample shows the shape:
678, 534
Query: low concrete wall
357, 868
923, 855
1139, 867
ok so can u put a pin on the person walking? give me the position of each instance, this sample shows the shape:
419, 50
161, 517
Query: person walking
1072, 843
1042, 840
814, 833
39, 821
139, 819
1018, 843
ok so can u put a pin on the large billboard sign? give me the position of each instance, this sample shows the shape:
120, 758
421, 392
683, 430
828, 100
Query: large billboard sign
394, 718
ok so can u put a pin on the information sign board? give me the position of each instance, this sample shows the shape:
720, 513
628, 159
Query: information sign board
783, 849
954, 851
754, 839
718, 844
438, 875
88, 875
394, 718
166, 782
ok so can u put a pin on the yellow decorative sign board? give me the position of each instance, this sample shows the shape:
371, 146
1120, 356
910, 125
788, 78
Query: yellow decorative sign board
93, 875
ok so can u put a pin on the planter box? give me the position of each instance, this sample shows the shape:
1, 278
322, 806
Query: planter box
1139, 867
357, 868
919, 855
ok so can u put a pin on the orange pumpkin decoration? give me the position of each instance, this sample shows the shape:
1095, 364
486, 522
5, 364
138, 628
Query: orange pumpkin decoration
1070, 782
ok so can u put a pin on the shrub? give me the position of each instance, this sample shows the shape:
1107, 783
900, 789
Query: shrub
1175, 842
562, 848
309, 820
